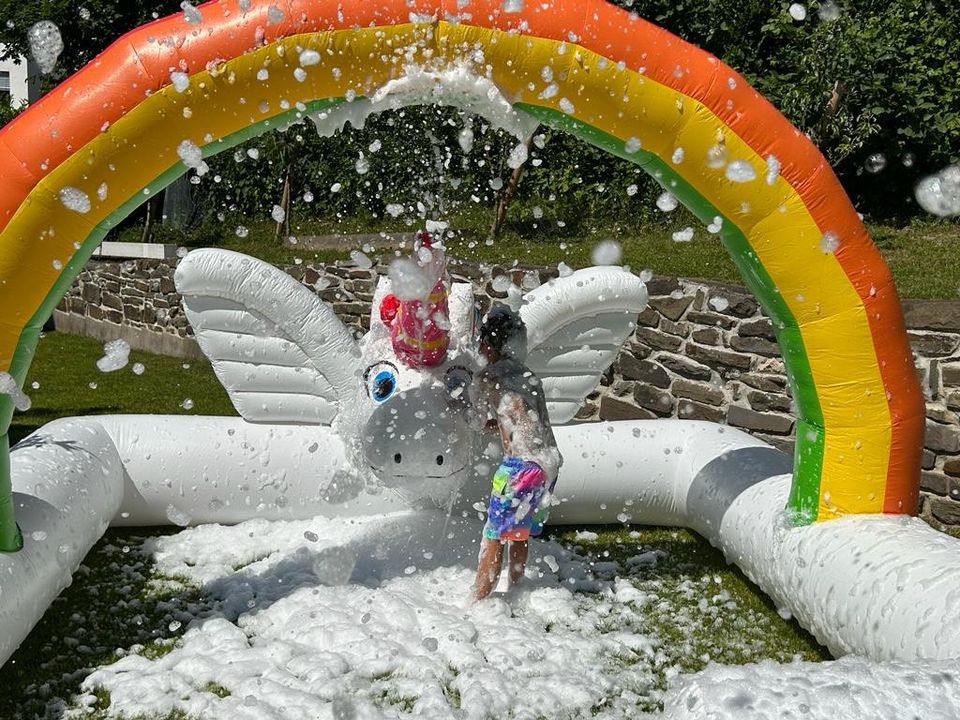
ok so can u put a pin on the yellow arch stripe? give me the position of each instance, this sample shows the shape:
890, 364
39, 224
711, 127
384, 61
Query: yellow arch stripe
614, 100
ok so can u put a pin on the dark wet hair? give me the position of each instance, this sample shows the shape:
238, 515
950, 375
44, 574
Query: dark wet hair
503, 330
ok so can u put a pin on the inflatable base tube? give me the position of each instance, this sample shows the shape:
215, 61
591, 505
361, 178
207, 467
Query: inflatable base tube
67, 487
882, 587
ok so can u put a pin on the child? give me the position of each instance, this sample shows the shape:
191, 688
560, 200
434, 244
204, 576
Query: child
507, 395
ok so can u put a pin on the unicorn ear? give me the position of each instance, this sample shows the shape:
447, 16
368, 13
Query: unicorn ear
575, 328
280, 352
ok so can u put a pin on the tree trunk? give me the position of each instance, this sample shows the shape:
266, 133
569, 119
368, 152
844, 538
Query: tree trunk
509, 192
154, 210
283, 228
833, 106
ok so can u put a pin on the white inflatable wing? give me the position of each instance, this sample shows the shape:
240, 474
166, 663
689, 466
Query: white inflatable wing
575, 328
281, 353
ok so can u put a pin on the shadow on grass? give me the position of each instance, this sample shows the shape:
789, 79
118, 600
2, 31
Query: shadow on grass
115, 605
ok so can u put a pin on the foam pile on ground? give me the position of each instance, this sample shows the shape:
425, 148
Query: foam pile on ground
369, 618
848, 689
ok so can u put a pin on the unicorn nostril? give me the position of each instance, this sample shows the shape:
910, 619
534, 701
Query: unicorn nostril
397, 458
439, 459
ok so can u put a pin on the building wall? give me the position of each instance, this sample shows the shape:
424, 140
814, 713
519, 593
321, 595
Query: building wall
24, 80
701, 350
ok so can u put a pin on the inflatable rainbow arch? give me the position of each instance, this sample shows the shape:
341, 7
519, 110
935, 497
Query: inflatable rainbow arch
112, 131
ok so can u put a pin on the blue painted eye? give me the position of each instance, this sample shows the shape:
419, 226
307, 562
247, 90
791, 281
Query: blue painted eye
381, 381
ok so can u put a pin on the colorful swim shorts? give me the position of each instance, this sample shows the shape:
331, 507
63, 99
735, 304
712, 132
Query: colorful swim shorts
519, 503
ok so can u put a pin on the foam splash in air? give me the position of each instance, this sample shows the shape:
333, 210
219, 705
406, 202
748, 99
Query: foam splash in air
939, 194
45, 45
9, 387
456, 85
116, 354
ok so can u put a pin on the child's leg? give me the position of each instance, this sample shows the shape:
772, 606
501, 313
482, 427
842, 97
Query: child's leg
517, 560
488, 570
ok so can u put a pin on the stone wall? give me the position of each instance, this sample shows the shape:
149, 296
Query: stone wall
702, 350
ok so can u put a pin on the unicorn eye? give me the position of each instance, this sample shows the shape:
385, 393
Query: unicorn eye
381, 381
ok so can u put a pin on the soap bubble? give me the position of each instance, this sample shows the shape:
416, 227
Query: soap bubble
187, 404
798, 11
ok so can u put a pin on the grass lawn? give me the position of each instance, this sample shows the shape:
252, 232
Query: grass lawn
922, 257
119, 603
69, 383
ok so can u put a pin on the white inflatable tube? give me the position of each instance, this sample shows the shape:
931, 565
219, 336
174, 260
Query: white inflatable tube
882, 587
67, 486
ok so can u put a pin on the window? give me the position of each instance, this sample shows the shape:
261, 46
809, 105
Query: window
4, 81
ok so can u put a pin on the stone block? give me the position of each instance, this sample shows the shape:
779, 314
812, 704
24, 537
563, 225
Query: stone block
762, 422
671, 307
761, 327
679, 329
766, 383
91, 293
166, 285
942, 414
658, 339
653, 398
707, 336
931, 344
638, 349
95, 312
114, 316
764, 402
754, 345
702, 392
76, 305
929, 459
111, 286
945, 510
643, 370
711, 319
718, 357
950, 374
649, 318
742, 306
587, 411
942, 438
662, 285
692, 410
682, 366
149, 314
932, 315
133, 313
934, 482
952, 400
614, 409
112, 301
950, 467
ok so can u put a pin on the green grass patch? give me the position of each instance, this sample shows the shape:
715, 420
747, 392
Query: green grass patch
705, 610
69, 383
